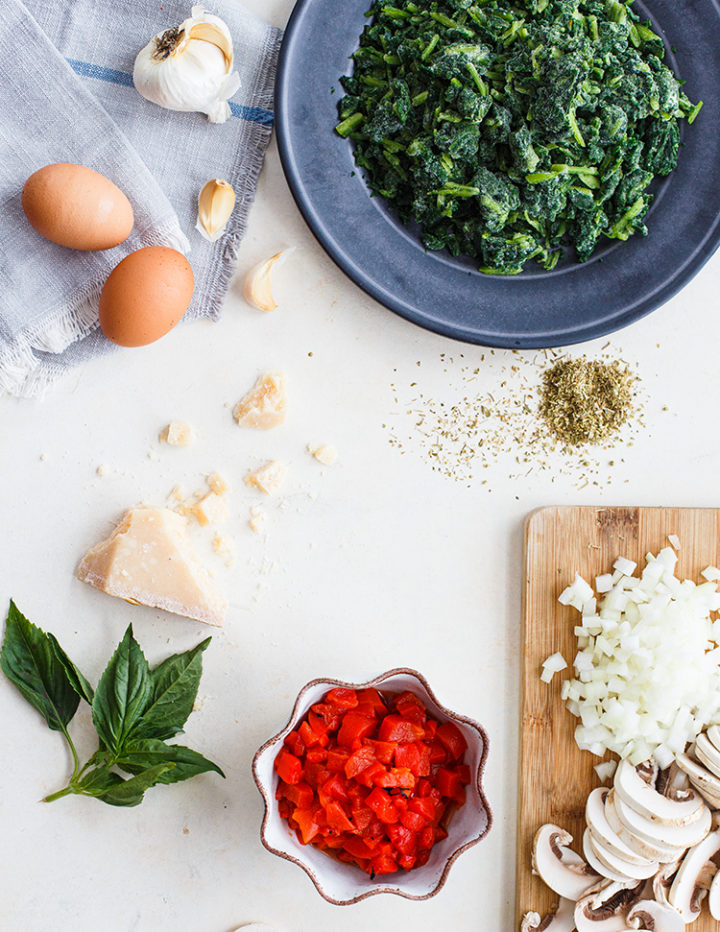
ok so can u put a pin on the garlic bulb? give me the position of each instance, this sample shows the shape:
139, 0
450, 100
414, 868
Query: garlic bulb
215, 204
189, 67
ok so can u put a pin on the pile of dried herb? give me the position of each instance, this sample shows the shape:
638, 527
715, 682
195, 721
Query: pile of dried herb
585, 401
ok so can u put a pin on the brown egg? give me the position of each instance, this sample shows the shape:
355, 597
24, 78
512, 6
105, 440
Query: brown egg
145, 295
74, 206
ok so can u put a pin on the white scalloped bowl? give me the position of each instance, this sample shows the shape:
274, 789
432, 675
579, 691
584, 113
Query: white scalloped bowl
343, 884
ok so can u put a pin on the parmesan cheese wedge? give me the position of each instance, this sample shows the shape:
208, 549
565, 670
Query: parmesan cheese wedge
149, 560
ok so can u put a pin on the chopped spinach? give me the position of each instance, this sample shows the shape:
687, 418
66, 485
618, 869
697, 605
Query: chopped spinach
509, 130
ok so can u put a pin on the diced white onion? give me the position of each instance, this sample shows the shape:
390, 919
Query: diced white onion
647, 669
674, 540
605, 770
551, 666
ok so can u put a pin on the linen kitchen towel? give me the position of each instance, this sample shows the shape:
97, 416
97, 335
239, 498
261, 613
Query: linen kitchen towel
90, 47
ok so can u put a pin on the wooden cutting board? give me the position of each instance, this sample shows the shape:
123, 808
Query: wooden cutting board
555, 776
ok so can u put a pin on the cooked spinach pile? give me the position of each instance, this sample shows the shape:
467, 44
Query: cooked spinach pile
509, 130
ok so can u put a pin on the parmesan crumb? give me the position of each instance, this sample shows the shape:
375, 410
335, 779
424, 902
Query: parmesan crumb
268, 478
264, 405
103, 469
325, 454
257, 519
210, 509
224, 547
177, 434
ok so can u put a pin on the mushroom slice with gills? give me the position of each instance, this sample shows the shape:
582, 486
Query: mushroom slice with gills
673, 783
694, 877
633, 790
562, 920
714, 897
561, 869
605, 906
662, 881
654, 917
707, 754
654, 850
706, 783
602, 832
612, 866
677, 837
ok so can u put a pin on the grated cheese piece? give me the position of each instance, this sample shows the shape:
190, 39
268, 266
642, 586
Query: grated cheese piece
257, 519
149, 560
177, 434
325, 454
268, 478
210, 509
216, 483
264, 405
224, 547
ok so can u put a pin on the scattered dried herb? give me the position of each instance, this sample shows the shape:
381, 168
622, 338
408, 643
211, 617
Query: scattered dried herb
585, 401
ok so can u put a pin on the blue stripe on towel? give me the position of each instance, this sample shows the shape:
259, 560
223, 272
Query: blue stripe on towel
88, 70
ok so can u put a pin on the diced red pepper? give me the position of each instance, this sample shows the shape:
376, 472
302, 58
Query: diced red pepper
382, 805
409, 706
384, 750
371, 702
413, 820
450, 784
300, 795
295, 743
355, 726
336, 759
307, 824
403, 839
396, 728
358, 761
370, 781
453, 739
336, 817
288, 767
342, 698
371, 774
383, 865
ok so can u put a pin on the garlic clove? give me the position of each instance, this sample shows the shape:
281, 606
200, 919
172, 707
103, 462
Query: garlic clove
211, 32
215, 204
258, 282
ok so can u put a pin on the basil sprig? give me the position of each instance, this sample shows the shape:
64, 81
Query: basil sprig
135, 709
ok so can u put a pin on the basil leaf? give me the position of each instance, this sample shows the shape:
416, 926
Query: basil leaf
131, 792
75, 677
29, 661
99, 781
174, 688
122, 693
143, 753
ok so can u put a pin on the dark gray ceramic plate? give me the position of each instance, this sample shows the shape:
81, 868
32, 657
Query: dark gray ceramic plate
620, 284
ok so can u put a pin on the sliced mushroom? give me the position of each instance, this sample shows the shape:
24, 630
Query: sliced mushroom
714, 897
713, 734
633, 790
612, 866
675, 838
605, 906
673, 783
564, 871
654, 917
694, 878
562, 920
707, 754
605, 835
706, 783
662, 882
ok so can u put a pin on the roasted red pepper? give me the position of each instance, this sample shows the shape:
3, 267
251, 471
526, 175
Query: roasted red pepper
371, 778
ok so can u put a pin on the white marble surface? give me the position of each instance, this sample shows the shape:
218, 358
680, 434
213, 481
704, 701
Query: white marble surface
374, 562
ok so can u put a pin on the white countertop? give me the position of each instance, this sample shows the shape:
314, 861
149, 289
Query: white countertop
372, 563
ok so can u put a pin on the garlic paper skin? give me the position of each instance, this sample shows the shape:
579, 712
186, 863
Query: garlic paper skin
189, 67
